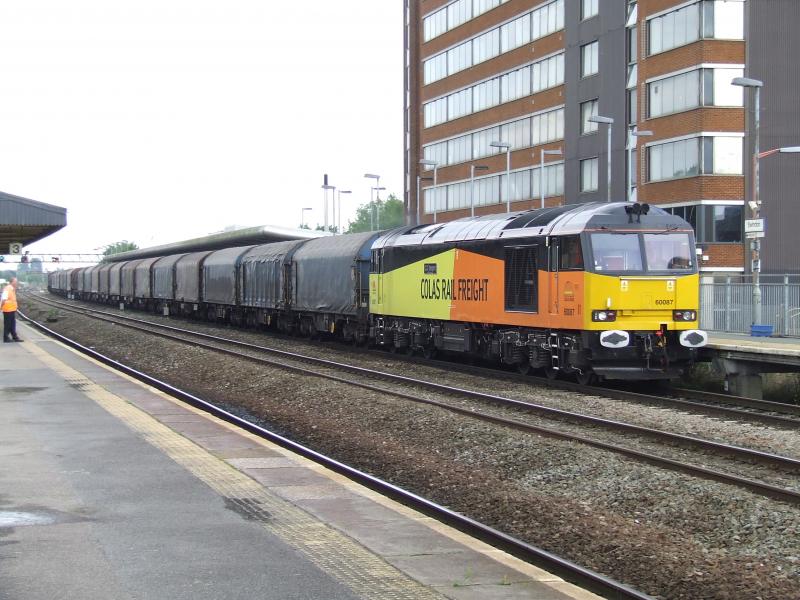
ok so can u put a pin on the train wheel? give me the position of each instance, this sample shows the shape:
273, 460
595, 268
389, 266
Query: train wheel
429, 351
524, 368
409, 350
551, 373
586, 377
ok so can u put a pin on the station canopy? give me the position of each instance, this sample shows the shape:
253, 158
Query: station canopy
250, 236
24, 221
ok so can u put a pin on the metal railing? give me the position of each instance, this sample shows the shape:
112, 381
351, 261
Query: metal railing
727, 306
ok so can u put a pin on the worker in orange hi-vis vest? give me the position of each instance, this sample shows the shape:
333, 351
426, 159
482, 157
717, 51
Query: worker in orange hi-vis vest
8, 303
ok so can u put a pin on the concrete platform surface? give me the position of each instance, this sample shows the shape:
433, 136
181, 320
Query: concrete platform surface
756, 345
111, 489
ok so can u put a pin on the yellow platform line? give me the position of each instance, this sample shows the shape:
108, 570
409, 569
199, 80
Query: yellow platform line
366, 574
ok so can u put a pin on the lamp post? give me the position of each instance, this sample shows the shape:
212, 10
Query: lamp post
610, 122
376, 206
755, 245
542, 154
634, 133
377, 179
507, 147
420, 179
472, 169
435, 166
327, 187
303, 216
339, 209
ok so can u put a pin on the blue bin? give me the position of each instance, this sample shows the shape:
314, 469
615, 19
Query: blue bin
761, 330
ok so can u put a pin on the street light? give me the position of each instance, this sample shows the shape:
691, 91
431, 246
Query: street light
472, 169
339, 209
507, 147
755, 245
542, 154
610, 122
303, 216
375, 208
327, 187
631, 143
435, 166
377, 179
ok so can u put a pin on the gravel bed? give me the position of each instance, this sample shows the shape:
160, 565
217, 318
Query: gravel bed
667, 534
758, 436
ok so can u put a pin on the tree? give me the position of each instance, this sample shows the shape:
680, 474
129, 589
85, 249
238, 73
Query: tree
390, 214
117, 247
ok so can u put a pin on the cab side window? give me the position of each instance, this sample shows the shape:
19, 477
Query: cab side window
571, 255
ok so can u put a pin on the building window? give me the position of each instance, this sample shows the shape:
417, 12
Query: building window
516, 33
633, 107
486, 46
676, 28
720, 155
547, 19
674, 160
720, 224
709, 19
674, 94
726, 155
458, 59
589, 169
633, 45
522, 133
525, 185
723, 19
701, 87
544, 74
589, 59
543, 21
458, 12
459, 104
434, 25
547, 73
486, 95
588, 109
516, 84
589, 8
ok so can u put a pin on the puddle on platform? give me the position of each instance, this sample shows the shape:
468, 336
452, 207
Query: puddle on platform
22, 519
22, 390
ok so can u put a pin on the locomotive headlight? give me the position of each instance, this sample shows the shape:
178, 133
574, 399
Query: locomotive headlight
684, 315
604, 315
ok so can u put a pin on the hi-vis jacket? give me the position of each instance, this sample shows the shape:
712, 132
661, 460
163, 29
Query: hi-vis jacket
9, 299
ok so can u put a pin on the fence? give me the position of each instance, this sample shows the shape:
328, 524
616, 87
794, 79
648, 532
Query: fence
728, 306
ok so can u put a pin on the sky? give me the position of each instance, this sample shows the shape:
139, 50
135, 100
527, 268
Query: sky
160, 120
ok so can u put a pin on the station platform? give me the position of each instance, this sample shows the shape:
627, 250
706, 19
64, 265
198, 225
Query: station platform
771, 346
745, 358
112, 489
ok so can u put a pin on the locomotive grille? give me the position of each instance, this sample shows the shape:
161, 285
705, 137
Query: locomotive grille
521, 290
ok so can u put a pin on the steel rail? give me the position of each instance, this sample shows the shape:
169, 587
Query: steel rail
752, 485
562, 567
768, 405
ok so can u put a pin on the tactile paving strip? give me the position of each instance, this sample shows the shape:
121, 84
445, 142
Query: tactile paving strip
365, 574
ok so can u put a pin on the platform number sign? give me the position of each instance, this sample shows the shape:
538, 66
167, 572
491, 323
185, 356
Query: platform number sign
15, 248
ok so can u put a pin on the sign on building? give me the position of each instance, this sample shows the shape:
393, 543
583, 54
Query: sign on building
754, 226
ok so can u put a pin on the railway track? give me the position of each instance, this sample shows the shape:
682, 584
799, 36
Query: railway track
420, 391
566, 569
723, 405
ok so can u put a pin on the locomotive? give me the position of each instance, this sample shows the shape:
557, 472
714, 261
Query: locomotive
594, 291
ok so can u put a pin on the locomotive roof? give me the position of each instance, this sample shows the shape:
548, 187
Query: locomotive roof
569, 219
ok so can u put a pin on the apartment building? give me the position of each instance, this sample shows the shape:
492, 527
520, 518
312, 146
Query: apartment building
497, 86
